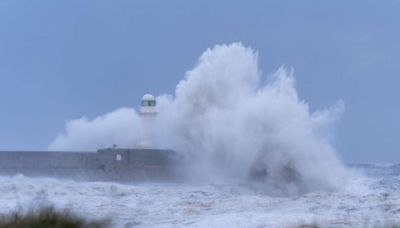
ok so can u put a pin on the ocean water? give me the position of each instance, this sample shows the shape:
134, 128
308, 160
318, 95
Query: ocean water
372, 199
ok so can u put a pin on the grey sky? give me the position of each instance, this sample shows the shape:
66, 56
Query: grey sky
61, 60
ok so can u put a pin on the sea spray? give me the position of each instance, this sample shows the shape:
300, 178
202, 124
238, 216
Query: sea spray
120, 127
227, 122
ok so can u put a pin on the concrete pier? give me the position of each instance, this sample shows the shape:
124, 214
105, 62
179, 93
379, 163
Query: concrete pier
103, 165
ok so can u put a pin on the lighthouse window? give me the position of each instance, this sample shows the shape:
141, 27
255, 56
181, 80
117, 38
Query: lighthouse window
148, 103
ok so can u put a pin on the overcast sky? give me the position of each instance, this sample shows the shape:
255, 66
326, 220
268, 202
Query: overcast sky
61, 60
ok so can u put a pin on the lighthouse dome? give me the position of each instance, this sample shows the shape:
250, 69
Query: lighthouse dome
148, 97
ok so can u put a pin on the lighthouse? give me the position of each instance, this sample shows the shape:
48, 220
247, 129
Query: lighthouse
147, 113
148, 108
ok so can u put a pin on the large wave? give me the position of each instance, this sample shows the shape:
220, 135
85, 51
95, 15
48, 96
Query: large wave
230, 122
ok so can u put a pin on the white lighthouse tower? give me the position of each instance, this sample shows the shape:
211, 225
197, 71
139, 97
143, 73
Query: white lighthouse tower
147, 113
148, 107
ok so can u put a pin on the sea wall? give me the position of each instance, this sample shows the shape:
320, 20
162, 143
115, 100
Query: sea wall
105, 164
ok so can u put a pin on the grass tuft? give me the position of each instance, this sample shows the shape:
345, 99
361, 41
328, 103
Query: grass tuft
46, 218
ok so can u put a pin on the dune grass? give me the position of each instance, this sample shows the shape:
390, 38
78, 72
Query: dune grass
48, 217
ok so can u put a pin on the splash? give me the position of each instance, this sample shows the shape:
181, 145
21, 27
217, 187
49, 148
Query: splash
119, 127
229, 122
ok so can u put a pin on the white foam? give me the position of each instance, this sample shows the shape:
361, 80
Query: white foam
225, 204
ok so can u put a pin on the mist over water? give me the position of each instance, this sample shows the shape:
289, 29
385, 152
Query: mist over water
229, 122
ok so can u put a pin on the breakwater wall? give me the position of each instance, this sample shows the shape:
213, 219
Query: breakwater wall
104, 164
